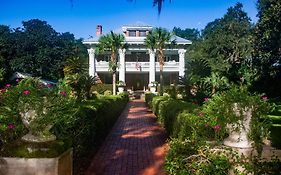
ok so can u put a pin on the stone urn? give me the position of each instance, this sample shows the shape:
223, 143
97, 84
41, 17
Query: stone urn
29, 118
238, 132
121, 89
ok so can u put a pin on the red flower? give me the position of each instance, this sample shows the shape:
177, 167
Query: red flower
264, 98
206, 99
26, 92
8, 85
201, 114
63, 93
50, 85
11, 126
217, 127
17, 80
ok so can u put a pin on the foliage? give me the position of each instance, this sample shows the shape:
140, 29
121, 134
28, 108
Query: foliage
217, 82
156, 102
267, 47
221, 110
190, 34
121, 84
222, 49
158, 39
38, 49
101, 88
148, 98
168, 109
90, 125
48, 104
192, 126
114, 43
187, 157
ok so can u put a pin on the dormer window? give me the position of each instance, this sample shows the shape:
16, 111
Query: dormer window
132, 33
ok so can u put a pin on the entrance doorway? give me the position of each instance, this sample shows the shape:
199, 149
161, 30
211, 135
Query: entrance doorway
137, 81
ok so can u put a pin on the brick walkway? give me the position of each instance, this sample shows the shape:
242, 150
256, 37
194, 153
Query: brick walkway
135, 146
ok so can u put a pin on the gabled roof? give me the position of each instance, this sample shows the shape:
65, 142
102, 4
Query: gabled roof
135, 40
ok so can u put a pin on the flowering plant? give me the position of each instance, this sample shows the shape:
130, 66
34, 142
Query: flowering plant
38, 105
229, 107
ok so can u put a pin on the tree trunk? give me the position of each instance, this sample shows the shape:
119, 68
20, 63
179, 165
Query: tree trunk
161, 63
114, 83
161, 80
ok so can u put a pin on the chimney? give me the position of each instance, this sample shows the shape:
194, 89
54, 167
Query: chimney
99, 30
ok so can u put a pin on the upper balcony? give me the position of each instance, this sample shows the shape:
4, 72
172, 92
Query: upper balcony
170, 66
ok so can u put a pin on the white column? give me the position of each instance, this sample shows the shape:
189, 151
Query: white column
181, 62
151, 65
92, 62
122, 65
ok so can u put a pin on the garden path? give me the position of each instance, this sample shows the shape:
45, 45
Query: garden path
135, 146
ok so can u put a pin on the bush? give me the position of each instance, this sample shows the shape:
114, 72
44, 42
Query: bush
169, 109
91, 125
101, 88
148, 98
192, 126
188, 158
155, 103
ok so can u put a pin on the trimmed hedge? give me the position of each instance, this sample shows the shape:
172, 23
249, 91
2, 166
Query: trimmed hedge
91, 125
169, 109
148, 98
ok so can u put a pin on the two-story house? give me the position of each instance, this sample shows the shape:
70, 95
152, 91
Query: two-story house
137, 65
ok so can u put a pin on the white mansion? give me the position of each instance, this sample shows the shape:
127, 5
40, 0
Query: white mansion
137, 65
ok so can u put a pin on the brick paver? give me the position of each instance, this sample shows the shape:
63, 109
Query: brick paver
135, 146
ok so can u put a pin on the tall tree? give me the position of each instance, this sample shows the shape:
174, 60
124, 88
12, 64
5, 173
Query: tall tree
225, 43
190, 34
267, 46
223, 48
40, 50
159, 39
112, 42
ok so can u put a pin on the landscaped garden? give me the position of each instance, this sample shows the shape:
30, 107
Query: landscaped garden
222, 117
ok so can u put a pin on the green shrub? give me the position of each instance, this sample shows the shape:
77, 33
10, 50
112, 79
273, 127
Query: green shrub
275, 131
101, 88
169, 109
155, 103
148, 98
189, 158
107, 92
91, 125
192, 126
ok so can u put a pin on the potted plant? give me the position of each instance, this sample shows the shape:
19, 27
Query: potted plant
153, 86
121, 86
239, 114
39, 106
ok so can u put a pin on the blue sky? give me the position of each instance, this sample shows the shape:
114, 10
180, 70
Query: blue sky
81, 18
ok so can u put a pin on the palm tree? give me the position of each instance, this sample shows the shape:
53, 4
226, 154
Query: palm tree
158, 39
112, 42
216, 81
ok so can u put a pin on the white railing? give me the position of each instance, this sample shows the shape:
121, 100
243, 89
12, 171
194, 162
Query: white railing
171, 66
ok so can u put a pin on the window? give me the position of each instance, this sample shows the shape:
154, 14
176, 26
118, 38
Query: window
132, 33
142, 33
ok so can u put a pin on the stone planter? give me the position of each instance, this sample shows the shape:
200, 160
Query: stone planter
153, 89
238, 133
121, 89
27, 119
61, 165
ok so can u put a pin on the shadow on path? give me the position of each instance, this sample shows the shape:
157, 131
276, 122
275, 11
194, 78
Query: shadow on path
135, 146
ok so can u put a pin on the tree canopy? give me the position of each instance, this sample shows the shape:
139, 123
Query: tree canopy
267, 46
38, 49
223, 47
